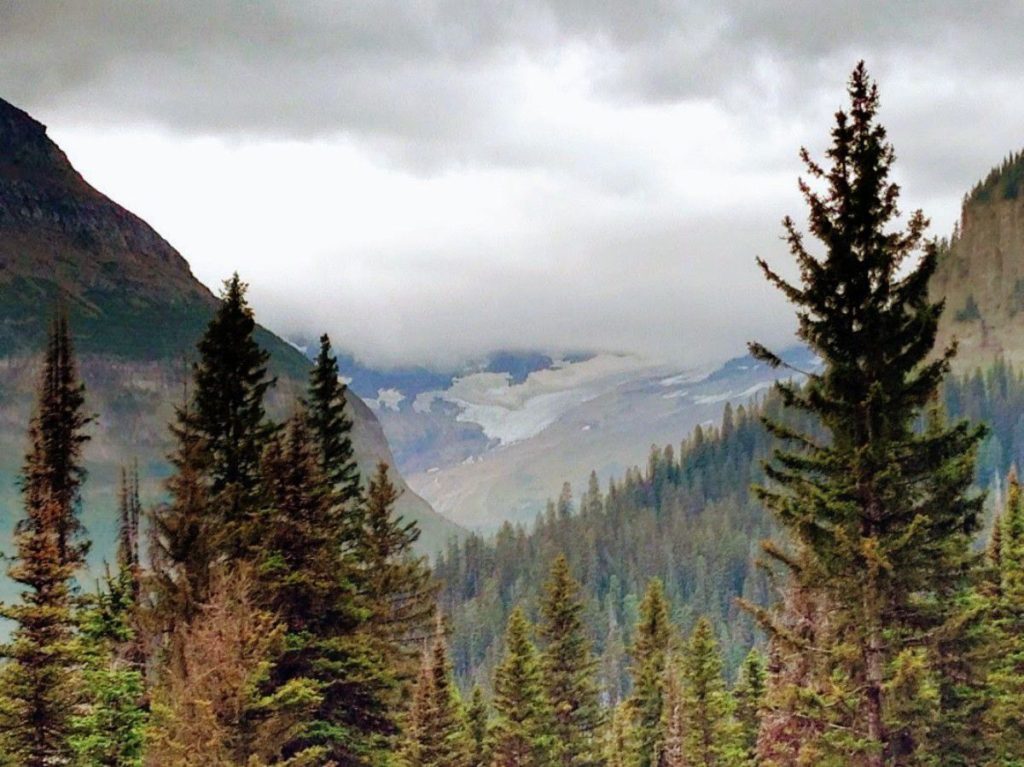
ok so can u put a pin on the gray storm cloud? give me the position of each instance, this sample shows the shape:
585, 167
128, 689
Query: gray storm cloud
632, 158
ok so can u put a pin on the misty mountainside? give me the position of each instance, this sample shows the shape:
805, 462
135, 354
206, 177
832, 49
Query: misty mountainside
136, 312
496, 441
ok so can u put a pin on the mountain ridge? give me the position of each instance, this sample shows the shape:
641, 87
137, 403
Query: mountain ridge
136, 313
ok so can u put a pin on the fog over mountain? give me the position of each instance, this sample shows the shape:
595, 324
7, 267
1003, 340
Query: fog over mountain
556, 176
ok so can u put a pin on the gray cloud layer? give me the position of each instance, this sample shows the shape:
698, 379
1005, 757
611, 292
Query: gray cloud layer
434, 88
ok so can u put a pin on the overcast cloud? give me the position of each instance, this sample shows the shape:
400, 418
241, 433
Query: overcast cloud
432, 180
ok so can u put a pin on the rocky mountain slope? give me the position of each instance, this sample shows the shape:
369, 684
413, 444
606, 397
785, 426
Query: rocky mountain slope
136, 312
981, 271
490, 445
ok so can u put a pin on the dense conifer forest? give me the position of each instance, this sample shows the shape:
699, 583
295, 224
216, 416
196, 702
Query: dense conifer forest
818, 580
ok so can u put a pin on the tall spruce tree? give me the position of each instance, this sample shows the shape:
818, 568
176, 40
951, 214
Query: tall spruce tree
397, 583
227, 415
306, 578
879, 512
39, 680
652, 640
569, 671
219, 435
58, 435
331, 424
710, 737
522, 729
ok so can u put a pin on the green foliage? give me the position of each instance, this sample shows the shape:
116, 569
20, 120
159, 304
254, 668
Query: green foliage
620, 742
227, 413
1001, 183
40, 679
399, 585
522, 729
749, 696
878, 513
651, 645
109, 729
306, 575
1005, 612
687, 519
569, 671
710, 735
332, 427
970, 312
478, 729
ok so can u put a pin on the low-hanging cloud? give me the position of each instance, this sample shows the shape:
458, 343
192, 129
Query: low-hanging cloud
430, 180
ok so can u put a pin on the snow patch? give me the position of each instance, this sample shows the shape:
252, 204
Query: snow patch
388, 399
510, 412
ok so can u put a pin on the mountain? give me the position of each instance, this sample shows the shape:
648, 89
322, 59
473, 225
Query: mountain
136, 311
495, 440
981, 271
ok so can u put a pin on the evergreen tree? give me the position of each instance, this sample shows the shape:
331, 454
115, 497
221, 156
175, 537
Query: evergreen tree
218, 707
438, 728
710, 738
181, 534
879, 510
39, 680
749, 695
569, 671
1005, 615
477, 721
108, 730
522, 730
227, 415
331, 424
398, 584
58, 435
305, 577
651, 644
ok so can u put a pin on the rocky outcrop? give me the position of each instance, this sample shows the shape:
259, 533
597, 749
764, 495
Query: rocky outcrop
981, 273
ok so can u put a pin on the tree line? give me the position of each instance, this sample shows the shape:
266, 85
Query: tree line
270, 612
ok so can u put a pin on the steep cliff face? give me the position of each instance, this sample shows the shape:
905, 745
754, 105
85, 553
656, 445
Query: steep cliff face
981, 272
136, 311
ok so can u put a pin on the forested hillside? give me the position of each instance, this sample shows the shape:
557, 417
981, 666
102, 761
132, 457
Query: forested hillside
688, 518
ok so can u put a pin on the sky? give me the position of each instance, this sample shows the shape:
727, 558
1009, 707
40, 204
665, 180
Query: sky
430, 181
